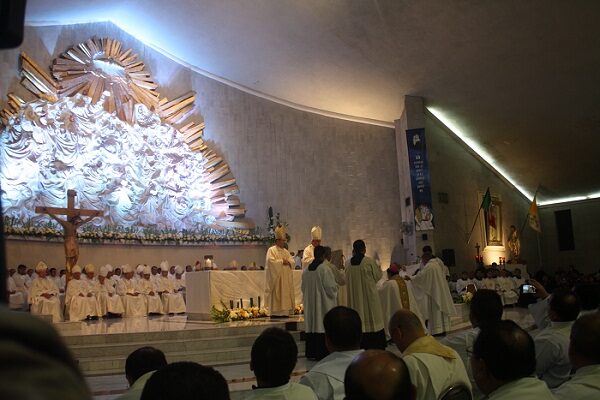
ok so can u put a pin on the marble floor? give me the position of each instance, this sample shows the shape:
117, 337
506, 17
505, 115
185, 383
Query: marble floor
239, 376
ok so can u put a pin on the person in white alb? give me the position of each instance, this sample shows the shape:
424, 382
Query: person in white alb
80, 302
362, 275
22, 281
308, 255
149, 290
463, 282
552, 343
319, 291
16, 300
172, 299
43, 295
342, 337
134, 301
110, 302
272, 359
432, 293
433, 367
503, 363
279, 263
506, 288
584, 353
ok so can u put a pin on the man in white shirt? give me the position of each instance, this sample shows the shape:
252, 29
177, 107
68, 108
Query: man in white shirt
342, 338
110, 302
22, 281
503, 362
172, 299
149, 290
43, 295
308, 253
17, 301
433, 367
486, 306
433, 294
584, 353
377, 375
272, 359
280, 298
552, 342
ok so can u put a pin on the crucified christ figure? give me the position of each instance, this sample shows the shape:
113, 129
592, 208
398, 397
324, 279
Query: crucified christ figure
70, 226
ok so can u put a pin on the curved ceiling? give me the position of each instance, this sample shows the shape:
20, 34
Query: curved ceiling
520, 79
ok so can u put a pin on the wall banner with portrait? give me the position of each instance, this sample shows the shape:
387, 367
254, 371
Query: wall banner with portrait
420, 179
492, 223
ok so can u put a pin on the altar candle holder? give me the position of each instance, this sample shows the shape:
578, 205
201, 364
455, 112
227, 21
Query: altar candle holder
241, 303
258, 301
251, 302
231, 304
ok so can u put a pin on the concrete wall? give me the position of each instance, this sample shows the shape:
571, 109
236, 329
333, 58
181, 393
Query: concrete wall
312, 169
585, 216
455, 170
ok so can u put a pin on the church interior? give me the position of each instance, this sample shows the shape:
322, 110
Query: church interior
180, 143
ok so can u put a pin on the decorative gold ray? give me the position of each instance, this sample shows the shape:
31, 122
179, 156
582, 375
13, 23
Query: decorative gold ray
80, 70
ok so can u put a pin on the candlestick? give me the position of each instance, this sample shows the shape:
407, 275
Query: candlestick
230, 303
241, 303
258, 301
251, 302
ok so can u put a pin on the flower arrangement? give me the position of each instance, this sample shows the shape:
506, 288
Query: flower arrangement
299, 309
467, 297
236, 314
134, 235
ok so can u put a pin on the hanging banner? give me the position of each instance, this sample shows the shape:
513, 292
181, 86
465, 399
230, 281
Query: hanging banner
420, 180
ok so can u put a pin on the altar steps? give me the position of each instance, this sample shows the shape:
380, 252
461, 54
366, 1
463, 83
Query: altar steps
105, 354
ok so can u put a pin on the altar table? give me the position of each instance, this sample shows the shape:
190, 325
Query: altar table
205, 289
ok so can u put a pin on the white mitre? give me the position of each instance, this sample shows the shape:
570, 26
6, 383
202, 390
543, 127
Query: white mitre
41, 266
164, 265
147, 270
76, 269
126, 268
316, 233
90, 268
280, 233
103, 271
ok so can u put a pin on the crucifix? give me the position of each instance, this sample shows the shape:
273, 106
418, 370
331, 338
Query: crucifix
70, 226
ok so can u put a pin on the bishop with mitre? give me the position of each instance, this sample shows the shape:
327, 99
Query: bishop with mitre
280, 285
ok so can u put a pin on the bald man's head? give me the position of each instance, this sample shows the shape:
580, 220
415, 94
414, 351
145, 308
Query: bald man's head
584, 348
405, 327
377, 375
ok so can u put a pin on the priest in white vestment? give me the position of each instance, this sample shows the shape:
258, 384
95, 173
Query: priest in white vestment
80, 302
16, 300
463, 282
503, 362
172, 299
22, 281
343, 334
43, 295
110, 302
134, 301
308, 255
395, 294
432, 293
362, 275
433, 367
319, 291
148, 289
279, 289
584, 354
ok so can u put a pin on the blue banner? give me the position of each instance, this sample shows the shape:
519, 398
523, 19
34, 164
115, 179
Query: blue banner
420, 180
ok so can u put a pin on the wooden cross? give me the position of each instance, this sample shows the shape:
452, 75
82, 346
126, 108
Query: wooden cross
70, 226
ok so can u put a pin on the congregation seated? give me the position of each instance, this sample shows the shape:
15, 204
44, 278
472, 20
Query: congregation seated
134, 301
139, 367
433, 367
80, 300
272, 359
343, 330
486, 306
503, 363
584, 355
186, 381
552, 342
43, 295
378, 375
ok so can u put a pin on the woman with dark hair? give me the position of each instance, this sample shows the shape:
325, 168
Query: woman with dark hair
362, 277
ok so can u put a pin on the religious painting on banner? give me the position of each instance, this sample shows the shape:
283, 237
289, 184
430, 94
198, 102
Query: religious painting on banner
492, 221
420, 180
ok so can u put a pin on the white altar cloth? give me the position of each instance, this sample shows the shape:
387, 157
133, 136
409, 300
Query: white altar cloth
205, 289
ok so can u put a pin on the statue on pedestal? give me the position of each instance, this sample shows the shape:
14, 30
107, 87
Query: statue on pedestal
514, 245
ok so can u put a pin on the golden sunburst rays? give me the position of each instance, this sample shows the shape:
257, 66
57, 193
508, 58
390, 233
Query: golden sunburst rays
101, 69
